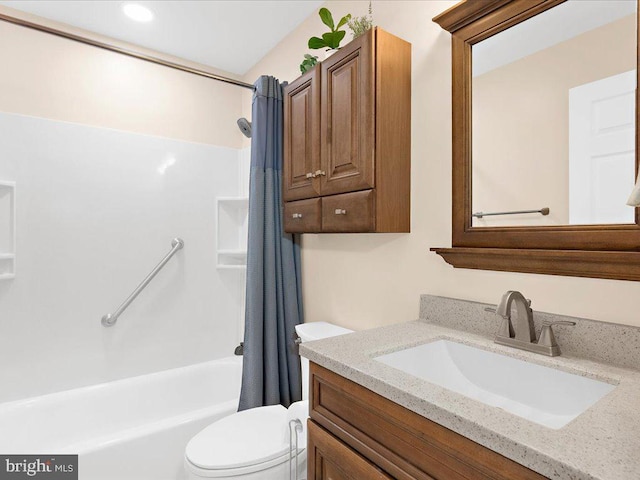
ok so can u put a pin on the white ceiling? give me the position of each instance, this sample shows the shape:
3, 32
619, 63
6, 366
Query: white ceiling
228, 35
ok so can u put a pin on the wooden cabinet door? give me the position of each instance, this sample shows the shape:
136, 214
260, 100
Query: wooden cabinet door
330, 459
302, 137
347, 132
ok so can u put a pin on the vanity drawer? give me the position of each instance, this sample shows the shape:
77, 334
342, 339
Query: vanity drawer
402, 443
330, 459
349, 212
302, 216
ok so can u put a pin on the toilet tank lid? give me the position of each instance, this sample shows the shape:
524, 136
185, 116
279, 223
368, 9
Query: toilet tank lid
318, 330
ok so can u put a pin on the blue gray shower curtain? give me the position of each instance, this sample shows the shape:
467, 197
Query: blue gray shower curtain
271, 366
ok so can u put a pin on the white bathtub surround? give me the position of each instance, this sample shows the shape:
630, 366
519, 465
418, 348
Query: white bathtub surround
132, 429
232, 223
7, 230
97, 210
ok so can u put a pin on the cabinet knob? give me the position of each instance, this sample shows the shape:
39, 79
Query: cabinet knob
320, 173
340, 211
296, 215
310, 175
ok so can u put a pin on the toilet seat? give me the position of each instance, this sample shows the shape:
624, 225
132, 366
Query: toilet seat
262, 432
254, 444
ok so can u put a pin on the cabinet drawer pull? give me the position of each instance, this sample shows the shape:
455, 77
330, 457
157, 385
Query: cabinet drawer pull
340, 211
296, 215
320, 173
310, 175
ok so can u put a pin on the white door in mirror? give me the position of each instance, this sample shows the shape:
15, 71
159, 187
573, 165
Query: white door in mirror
602, 150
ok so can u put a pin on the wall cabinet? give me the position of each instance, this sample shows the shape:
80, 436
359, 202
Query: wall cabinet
347, 128
355, 433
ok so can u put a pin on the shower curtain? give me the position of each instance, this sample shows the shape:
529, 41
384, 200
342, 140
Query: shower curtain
271, 366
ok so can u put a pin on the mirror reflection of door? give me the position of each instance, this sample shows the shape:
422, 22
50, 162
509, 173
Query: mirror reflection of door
601, 150
527, 152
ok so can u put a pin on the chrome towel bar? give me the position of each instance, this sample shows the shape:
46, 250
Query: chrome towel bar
111, 318
543, 211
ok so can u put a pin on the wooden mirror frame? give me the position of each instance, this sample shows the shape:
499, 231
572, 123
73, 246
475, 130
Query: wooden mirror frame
600, 251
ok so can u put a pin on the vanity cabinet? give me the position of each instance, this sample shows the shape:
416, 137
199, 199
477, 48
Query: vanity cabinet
333, 460
347, 128
355, 433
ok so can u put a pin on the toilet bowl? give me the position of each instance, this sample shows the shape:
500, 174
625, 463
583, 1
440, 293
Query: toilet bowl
254, 444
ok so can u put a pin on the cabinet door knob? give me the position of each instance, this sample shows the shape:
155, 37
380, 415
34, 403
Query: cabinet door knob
320, 173
340, 211
310, 175
296, 215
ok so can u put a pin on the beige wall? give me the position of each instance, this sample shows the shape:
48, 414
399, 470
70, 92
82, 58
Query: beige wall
521, 123
366, 280
56, 78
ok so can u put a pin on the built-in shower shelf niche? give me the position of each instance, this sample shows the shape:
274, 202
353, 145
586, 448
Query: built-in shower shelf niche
7, 230
232, 217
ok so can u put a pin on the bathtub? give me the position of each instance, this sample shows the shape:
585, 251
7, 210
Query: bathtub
131, 429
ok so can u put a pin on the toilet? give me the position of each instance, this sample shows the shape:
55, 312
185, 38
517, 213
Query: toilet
254, 444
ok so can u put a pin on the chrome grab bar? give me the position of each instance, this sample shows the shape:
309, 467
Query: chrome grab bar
111, 318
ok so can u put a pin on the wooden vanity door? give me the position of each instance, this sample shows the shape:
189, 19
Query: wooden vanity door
330, 459
347, 132
302, 137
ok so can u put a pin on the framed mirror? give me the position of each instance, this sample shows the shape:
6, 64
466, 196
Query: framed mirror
545, 136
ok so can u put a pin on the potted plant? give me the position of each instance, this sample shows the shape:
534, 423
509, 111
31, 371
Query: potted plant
329, 40
359, 25
308, 63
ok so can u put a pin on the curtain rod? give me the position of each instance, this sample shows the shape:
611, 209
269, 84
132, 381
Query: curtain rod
124, 51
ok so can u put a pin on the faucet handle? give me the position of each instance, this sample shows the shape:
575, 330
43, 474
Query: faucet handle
506, 329
558, 322
547, 338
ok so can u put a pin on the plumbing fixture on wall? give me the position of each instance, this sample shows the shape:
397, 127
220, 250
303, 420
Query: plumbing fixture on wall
245, 127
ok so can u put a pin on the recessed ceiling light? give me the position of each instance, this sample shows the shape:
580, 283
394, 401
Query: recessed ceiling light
137, 12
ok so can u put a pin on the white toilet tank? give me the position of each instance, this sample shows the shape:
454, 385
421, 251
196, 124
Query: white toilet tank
315, 331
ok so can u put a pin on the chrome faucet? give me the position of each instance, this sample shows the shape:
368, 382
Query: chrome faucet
520, 332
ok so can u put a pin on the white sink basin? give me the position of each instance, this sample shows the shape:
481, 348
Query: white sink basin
543, 395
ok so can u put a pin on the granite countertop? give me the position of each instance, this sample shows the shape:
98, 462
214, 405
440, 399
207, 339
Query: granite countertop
601, 443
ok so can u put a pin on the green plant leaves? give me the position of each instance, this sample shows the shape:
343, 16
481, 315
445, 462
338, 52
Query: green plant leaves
327, 18
315, 42
332, 39
344, 20
308, 63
